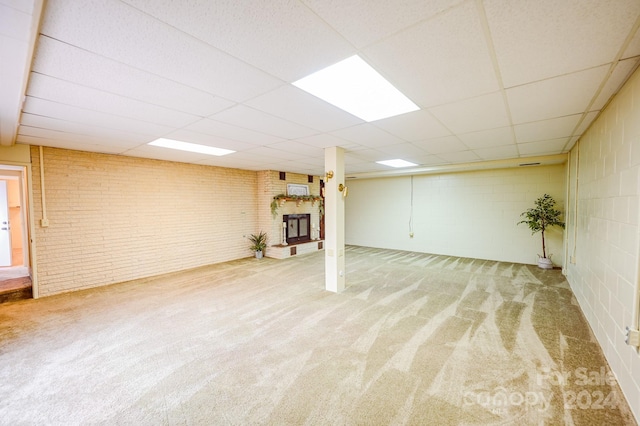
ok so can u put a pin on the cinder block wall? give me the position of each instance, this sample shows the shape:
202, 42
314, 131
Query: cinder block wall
604, 225
115, 218
471, 214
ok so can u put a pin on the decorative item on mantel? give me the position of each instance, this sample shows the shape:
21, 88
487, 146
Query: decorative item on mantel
280, 199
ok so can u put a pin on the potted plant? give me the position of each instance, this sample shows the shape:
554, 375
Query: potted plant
539, 218
258, 243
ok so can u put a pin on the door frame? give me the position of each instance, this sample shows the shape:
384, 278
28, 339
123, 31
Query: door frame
26, 200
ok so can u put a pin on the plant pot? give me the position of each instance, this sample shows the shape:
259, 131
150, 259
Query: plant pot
259, 254
545, 263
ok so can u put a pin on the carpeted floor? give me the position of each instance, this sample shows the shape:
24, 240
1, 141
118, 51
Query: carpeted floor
414, 339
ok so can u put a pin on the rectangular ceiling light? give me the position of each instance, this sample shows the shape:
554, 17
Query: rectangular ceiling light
352, 85
396, 163
191, 147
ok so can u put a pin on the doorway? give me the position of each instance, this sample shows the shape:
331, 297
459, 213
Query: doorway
15, 277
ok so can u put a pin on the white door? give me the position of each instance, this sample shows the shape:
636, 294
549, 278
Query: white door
5, 232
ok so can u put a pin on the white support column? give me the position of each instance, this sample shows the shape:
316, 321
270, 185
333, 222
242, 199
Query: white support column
334, 220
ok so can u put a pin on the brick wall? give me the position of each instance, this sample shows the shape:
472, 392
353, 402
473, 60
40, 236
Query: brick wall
115, 218
270, 185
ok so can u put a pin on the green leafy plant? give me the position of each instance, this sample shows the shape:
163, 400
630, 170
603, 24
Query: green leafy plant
258, 241
542, 216
276, 202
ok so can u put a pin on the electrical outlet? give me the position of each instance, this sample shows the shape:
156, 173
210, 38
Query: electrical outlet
572, 259
632, 337
44, 223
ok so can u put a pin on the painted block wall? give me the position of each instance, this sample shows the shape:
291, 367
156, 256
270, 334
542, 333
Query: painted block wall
604, 208
115, 218
470, 214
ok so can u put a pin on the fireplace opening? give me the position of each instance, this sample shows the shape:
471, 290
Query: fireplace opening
298, 228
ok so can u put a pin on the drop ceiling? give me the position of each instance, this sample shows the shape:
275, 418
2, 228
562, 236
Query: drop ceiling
494, 79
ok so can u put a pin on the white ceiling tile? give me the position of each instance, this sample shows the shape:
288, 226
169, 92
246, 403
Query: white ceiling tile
367, 135
363, 22
438, 61
547, 129
299, 148
218, 73
556, 97
406, 151
208, 140
488, 138
363, 167
366, 155
586, 122
229, 131
413, 126
470, 115
254, 32
92, 118
497, 152
83, 139
550, 147
459, 156
252, 157
106, 147
249, 118
526, 35
54, 124
280, 154
69, 63
315, 168
620, 74
14, 23
442, 145
302, 108
633, 49
25, 6
150, 45
324, 140
232, 161
166, 154
55, 90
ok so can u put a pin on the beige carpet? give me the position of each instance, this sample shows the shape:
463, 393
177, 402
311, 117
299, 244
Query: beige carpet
414, 339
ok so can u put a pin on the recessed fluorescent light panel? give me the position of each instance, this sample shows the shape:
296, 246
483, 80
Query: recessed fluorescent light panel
352, 85
191, 147
396, 163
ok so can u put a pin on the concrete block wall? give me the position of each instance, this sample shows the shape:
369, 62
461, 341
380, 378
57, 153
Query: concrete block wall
115, 218
471, 214
603, 236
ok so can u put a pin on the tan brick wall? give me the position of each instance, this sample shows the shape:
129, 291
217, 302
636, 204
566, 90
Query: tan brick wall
270, 185
116, 218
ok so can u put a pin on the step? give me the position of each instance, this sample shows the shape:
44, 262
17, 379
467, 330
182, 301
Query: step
15, 289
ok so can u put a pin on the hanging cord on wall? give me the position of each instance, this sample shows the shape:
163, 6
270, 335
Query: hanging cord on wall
575, 205
411, 211
44, 222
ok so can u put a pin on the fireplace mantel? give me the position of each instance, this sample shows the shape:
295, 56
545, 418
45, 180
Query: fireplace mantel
279, 200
